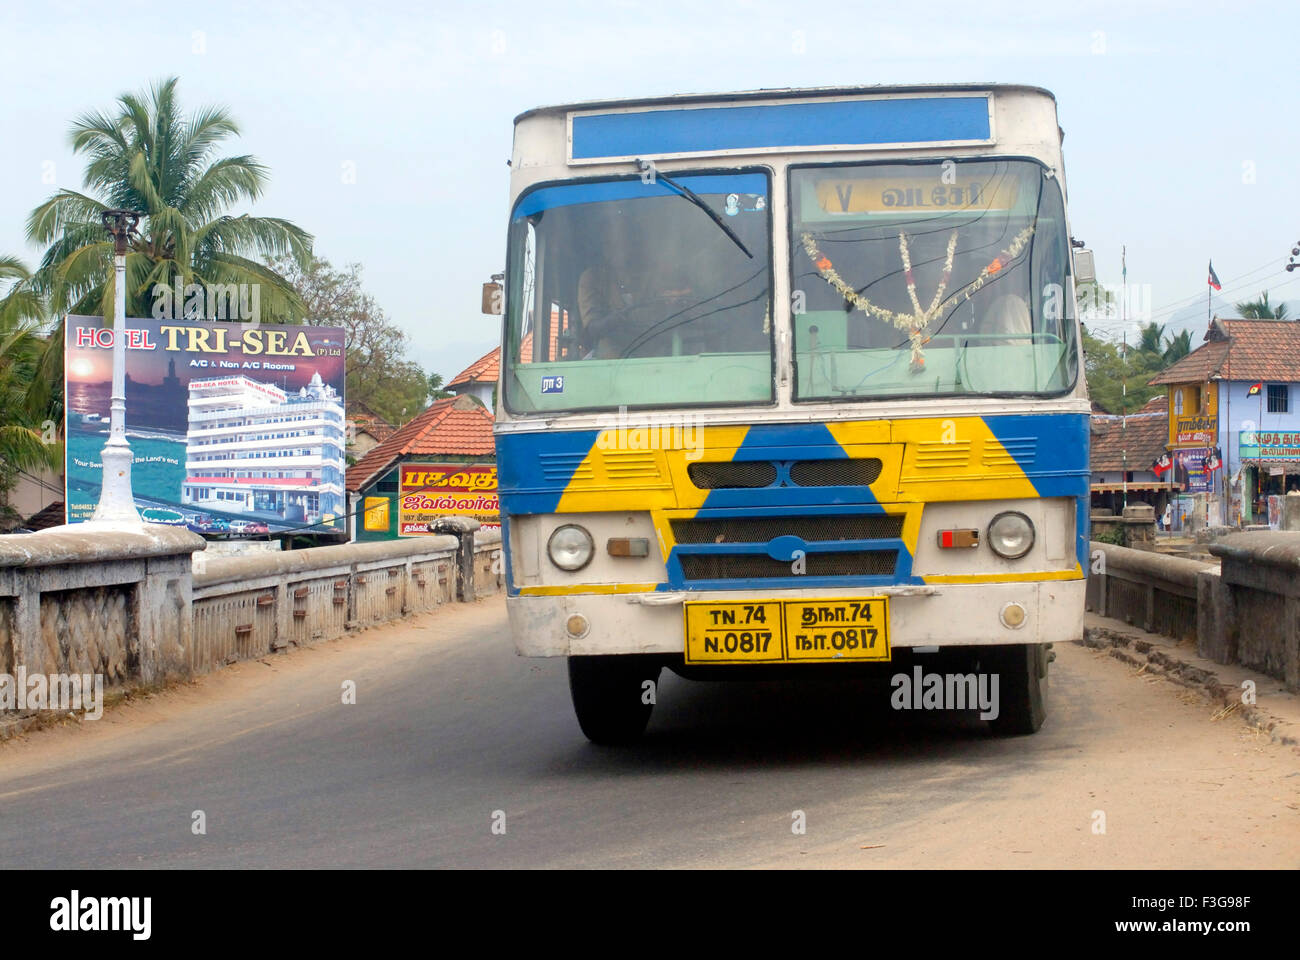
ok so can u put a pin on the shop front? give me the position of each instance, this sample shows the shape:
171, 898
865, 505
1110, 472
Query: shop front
1270, 469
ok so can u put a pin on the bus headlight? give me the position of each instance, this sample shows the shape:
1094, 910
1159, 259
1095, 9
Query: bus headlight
1011, 535
570, 547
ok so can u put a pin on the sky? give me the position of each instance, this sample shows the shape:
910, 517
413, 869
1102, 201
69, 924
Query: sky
387, 126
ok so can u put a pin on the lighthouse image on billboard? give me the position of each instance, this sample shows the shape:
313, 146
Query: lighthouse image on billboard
255, 449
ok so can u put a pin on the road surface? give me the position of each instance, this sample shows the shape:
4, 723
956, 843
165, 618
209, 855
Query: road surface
452, 735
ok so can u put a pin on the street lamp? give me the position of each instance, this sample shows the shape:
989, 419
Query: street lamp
116, 502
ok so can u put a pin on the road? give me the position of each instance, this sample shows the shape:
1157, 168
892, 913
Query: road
449, 727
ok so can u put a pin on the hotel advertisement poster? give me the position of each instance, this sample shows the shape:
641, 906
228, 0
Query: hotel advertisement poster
237, 429
432, 490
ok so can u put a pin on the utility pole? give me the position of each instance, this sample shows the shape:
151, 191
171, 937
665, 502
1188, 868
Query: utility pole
116, 501
1123, 383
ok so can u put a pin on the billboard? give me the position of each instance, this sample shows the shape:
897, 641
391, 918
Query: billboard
236, 429
431, 490
1193, 462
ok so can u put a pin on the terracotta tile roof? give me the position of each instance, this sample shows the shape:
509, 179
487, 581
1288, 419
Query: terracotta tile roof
1241, 350
1144, 437
486, 369
457, 426
373, 425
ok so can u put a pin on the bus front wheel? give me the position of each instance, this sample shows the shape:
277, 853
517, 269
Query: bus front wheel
613, 695
1022, 683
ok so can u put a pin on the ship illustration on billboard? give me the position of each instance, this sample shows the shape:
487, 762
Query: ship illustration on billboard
236, 430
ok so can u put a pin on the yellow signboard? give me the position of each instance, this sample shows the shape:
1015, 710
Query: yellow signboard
923, 194
376, 514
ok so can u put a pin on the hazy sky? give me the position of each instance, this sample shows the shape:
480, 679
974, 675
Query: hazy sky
1180, 119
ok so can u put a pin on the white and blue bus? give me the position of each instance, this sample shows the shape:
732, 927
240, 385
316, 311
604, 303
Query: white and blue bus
791, 381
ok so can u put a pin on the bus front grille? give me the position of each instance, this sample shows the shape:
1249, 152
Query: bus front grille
713, 566
732, 474
811, 529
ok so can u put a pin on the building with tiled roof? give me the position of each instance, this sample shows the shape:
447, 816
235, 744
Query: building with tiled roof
1237, 397
479, 379
455, 432
366, 429
1122, 451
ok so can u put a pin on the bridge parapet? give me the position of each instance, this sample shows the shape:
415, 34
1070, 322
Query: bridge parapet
1247, 611
141, 605
95, 598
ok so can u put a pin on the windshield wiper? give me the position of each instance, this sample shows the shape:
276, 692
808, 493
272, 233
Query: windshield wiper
645, 166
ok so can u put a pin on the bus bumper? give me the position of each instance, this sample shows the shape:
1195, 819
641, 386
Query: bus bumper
945, 614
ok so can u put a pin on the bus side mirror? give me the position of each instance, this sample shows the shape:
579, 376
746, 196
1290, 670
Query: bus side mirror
493, 298
1085, 269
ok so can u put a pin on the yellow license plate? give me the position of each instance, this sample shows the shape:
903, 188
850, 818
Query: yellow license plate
788, 631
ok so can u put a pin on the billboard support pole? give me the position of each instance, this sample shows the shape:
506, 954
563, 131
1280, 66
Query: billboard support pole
116, 501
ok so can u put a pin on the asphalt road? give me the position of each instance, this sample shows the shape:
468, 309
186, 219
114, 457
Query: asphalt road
452, 733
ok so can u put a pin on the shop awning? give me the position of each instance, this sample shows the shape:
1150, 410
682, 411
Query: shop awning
1289, 467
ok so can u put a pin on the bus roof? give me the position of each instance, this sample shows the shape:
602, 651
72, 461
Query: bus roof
787, 92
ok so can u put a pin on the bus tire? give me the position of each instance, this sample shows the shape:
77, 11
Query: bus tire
610, 697
1022, 688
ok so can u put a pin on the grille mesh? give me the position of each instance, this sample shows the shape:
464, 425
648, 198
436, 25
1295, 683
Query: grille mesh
696, 566
835, 473
731, 474
763, 529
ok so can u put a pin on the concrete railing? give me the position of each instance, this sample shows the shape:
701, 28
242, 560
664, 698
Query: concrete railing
143, 606
1256, 615
1247, 611
97, 599
1149, 590
249, 606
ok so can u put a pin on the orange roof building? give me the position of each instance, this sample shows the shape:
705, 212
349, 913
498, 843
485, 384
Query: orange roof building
1237, 397
479, 379
456, 430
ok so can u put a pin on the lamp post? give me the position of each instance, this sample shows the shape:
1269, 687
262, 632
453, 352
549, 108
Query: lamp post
116, 502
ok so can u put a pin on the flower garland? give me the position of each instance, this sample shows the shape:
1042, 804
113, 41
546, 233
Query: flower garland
917, 322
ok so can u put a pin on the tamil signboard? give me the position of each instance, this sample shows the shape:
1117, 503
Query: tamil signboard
1198, 430
237, 429
1270, 445
431, 490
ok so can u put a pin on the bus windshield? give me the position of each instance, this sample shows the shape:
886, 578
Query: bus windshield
625, 293
933, 278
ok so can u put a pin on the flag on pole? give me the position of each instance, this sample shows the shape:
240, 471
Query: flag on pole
1255, 388
1214, 278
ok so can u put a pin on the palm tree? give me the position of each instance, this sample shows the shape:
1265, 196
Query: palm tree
1259, 309
1179, 347
1151, 337
149, 158
24, 432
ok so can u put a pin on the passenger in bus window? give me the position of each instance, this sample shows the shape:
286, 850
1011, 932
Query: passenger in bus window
1009, 314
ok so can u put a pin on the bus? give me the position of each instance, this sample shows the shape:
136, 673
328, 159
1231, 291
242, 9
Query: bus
791, 385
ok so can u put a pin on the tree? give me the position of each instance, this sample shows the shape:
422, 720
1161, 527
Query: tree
436, 389
379, 375
1151, 338
1117, 376
26, 432
149, 158
1260, 309
1179, 347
